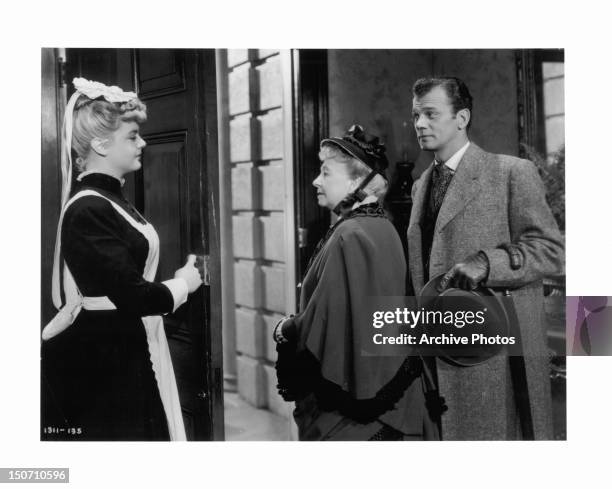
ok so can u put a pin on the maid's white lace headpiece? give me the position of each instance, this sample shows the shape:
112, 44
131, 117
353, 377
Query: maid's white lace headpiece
92, 90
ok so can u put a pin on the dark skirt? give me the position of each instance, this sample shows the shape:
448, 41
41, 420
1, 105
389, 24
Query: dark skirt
315, 424
99, 384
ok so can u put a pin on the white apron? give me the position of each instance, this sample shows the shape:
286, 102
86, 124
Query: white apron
154, 325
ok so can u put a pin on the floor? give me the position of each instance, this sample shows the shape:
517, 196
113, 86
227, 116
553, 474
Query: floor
243, 422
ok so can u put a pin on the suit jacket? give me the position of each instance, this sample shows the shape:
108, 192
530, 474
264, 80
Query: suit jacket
493, 199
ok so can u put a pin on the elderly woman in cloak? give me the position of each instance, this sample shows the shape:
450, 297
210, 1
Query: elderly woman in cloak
340, 393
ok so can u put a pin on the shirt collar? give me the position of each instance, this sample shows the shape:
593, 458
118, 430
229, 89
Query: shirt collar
453, 161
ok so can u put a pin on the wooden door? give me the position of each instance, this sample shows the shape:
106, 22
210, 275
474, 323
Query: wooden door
177, 191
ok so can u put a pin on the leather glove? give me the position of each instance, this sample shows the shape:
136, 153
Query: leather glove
285, 330
468, 274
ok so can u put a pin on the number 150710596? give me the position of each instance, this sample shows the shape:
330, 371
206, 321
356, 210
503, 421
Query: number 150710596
34, 474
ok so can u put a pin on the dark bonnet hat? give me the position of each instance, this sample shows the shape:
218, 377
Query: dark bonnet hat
363, 146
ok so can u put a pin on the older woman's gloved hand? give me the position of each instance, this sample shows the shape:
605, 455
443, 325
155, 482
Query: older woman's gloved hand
297, 371
285, 330
468, 274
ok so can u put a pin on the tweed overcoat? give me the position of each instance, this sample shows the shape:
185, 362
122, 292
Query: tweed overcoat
492, 199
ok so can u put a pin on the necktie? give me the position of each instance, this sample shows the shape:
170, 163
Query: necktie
441, 178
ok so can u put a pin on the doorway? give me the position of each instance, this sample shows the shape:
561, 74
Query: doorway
176, 190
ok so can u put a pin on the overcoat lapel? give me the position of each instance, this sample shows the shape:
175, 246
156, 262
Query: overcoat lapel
463, 187
415, 253
418, 200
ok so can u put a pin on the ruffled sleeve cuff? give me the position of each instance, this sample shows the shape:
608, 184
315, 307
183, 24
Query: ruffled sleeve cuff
179, 290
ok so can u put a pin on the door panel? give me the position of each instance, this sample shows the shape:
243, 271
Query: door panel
159, 72
164, 193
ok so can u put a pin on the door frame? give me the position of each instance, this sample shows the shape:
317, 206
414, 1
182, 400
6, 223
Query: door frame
310, 126
209, 181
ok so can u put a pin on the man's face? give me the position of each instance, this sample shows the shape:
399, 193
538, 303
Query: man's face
436, 126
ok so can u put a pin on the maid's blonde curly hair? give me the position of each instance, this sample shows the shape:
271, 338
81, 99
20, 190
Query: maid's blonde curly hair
98, 118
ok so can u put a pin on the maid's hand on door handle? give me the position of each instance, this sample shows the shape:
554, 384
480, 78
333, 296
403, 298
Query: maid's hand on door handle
190, 274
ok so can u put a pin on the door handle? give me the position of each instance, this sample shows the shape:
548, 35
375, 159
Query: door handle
202, 263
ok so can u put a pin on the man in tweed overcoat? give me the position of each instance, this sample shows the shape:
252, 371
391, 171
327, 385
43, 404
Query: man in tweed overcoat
482, 218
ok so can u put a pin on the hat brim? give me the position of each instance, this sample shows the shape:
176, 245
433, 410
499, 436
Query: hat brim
497, 317
356, 153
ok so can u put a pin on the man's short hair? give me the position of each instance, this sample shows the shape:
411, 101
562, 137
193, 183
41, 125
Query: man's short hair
456, 90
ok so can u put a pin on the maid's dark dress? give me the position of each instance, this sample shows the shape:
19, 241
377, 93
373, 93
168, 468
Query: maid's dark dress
102, 375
